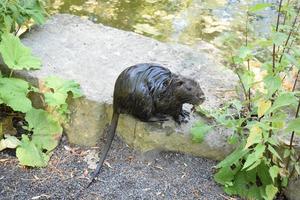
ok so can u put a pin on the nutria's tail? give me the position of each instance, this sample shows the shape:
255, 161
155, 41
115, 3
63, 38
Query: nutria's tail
110, 137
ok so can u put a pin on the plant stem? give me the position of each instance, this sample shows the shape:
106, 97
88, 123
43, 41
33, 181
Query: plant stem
273, 68
248, 62
296, 80
16, 32
293, 133
11, 73
240, 78
290, 33
291, 44
284, 19
274, 46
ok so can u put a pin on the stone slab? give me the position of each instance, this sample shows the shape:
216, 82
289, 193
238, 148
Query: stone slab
94, 55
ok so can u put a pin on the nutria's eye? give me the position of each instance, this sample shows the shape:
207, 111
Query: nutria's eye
180, 82
189, 89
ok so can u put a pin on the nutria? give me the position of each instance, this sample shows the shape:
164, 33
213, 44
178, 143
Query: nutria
150, 92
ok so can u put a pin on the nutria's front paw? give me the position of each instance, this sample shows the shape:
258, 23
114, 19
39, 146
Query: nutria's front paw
183, 117
185, 114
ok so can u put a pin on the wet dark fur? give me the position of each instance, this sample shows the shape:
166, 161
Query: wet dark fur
150, 92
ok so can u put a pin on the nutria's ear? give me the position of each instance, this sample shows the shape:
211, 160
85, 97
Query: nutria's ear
167, 83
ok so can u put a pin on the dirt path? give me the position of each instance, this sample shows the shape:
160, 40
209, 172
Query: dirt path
131, 176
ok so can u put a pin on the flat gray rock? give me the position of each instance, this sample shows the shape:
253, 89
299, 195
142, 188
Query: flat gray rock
94, 55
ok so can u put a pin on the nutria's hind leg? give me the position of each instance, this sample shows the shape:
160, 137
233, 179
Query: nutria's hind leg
143, 110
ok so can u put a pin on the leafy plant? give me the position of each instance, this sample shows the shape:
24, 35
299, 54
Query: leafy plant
261, 167
17, 13
43, 127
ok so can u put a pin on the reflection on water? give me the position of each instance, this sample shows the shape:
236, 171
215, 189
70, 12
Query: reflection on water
183, 21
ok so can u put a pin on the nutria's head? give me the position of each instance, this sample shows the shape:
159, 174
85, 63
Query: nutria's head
188, 91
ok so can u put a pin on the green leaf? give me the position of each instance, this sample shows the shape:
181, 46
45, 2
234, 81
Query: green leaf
274, 152
256, 155
272, 84
15, 55
247, 78
63, 86
274, 171
278, 119
271, 192
286, 153
284, 99
8, 21
29, 155
279, 38
35, 10
233, 157
292, 60
225, 176
294, 125
46, 130
199, 131
13, 92
245, 53
233, 139
263, 173
55, 99
285, 181
254, 165
259, 7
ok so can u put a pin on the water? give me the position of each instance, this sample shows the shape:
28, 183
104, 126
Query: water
180, 21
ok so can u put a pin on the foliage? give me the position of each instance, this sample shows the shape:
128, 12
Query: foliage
57, 96
13, 92
16, 55
43, 127
260, 167
16, 13
199, 131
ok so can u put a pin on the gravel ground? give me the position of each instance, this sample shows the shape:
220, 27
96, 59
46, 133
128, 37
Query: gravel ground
160, 175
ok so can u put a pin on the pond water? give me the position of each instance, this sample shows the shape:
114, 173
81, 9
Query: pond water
180, 21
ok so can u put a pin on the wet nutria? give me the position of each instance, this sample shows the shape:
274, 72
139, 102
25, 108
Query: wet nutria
150, 92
